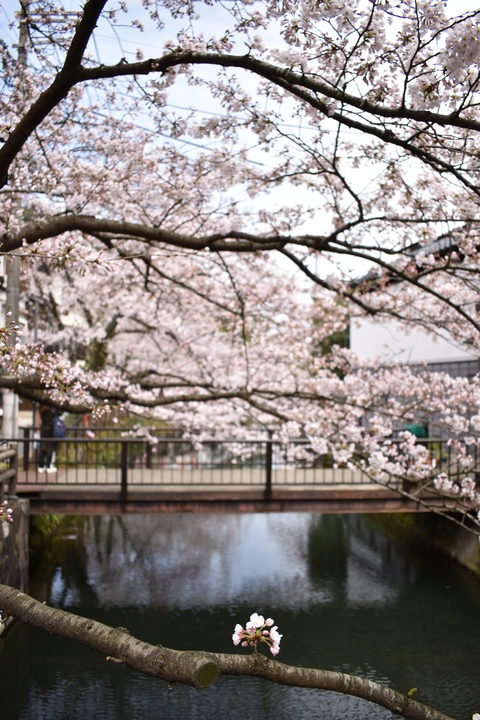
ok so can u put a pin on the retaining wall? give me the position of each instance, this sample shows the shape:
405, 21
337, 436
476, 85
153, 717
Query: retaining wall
14, 547
457, 542
460, 544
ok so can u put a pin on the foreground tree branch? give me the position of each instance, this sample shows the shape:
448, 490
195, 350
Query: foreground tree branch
197, 668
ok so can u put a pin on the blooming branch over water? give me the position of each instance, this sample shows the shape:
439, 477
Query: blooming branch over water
6, 513
258, 630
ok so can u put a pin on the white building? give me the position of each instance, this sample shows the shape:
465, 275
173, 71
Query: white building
392, 342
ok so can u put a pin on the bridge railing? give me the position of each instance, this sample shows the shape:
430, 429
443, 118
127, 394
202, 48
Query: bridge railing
138, 462
8, 472
180, 463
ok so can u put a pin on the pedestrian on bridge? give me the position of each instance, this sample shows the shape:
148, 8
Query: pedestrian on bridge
48, 444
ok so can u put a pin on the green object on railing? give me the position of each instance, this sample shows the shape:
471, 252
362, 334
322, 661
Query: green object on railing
418, 429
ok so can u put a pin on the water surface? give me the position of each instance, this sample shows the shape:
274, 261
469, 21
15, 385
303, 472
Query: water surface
344, 593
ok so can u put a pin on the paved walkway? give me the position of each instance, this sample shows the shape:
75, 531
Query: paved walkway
188, 477
99, 491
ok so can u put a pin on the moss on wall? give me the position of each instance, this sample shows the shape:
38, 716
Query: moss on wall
437, 531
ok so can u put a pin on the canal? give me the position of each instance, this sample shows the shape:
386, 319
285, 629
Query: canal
345, 591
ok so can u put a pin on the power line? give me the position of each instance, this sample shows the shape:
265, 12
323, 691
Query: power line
9, 28
182, 140
122, 41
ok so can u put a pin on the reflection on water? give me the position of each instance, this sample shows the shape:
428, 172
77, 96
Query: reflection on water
344, 595
185, 562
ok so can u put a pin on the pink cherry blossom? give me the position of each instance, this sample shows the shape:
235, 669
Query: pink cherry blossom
6, 513
256, 621
238, 634
255, 632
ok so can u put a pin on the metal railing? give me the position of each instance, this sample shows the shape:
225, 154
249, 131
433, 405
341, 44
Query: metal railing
176, 462
8, 472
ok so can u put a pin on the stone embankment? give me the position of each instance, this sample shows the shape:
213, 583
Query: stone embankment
14, 548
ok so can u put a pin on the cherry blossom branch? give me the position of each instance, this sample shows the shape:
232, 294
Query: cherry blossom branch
393, 271
305, 87
296, 84
56, 92
275, 73
233, 241
152, 267
427, 496
197, 668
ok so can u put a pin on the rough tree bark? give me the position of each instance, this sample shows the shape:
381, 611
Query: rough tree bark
197, 668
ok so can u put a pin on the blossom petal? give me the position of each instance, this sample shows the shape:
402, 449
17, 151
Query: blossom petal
257, 620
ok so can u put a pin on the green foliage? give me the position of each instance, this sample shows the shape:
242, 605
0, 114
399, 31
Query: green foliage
41, 529
55, 541
341, 338
103, 449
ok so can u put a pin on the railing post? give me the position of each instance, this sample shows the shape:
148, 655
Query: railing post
12, 481
268, 468
148, 453
124, 472
26, 448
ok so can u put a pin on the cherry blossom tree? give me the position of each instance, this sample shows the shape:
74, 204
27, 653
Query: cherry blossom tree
189, 264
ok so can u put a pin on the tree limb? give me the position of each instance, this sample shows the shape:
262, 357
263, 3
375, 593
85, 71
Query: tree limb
274, 73
57, 90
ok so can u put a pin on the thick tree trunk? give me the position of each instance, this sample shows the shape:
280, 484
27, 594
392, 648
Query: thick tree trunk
196, 668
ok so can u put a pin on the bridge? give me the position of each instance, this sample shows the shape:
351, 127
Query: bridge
115, 472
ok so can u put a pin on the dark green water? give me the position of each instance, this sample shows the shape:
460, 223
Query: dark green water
344, 594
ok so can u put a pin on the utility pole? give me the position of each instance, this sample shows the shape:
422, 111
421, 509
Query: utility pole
12, 262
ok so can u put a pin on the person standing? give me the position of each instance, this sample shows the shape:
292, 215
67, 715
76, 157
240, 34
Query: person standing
47, 443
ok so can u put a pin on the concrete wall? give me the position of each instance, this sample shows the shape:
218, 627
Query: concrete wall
436, 531
14, 547
454, 540
390, 341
